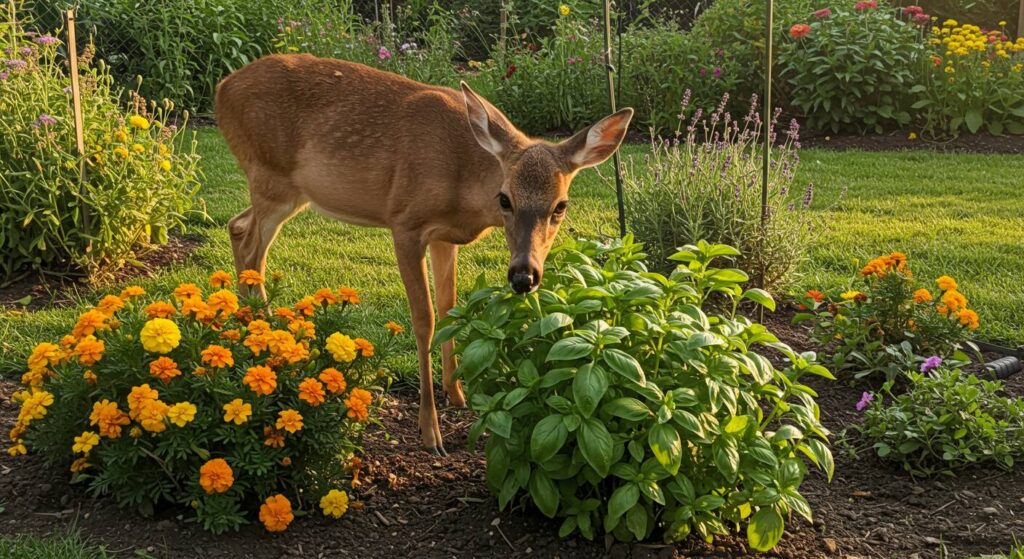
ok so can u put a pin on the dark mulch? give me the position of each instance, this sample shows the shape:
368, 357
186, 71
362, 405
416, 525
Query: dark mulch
44, 291
416, 504
895, 141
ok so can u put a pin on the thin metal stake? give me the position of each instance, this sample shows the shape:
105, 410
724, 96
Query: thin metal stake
767, 109
611, 101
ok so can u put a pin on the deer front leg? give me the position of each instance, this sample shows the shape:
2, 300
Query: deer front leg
443, 263
409, 250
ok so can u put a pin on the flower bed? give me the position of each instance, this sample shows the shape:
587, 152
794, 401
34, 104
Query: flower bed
218, 403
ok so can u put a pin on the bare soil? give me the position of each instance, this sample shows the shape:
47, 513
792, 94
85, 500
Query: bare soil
412, 503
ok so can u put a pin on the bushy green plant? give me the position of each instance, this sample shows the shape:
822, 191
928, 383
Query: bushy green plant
852, 68
140, 177
215, 403
614, 401
972, 81
886, 324
705, 183
946, 420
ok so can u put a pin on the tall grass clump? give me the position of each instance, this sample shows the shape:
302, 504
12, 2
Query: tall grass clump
705, 183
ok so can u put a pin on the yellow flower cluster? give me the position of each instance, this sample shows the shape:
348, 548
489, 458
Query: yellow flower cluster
964, 40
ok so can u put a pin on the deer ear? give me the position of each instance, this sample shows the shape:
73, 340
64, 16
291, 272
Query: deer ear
592, 145
492, 130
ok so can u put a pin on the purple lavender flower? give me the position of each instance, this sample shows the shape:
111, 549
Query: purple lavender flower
809, 195
932, 362
16, 63
25, 51
44, 120
865, 399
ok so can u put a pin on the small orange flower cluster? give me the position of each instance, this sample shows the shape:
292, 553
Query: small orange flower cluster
879, 267
954, 304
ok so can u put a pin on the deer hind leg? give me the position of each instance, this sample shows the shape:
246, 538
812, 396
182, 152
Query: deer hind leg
410, 249
443, 257
253, 230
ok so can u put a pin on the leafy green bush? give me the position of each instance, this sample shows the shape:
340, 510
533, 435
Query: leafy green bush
215, 403
615, 402
946, 420
853, 68
706, 184
973, 80
140, 181
888, 324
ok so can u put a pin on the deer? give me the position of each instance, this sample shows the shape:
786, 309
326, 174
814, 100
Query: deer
438, 167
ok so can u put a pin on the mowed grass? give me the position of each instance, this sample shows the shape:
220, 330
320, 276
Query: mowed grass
65, 546
961, 215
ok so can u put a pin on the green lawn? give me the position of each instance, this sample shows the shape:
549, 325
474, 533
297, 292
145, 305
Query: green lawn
961, 215
67, 546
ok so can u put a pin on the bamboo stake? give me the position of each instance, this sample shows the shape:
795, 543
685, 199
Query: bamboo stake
76, 99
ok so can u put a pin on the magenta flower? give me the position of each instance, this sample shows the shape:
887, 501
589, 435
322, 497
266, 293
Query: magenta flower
867, 5
823, 13
932, 362
717, 73
384, 53
702, 72
865, 399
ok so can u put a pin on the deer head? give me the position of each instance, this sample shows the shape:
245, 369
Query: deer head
534, 195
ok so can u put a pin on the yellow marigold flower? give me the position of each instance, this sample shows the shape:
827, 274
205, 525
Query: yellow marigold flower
121, 152
324, 296
224, 302
912, 136
333, 380
950, 23
160, 335
132, 291
1002, 23
334, 503
216, 476
151, 414
217, 356
89, 323
923, 296
366, 348
35, 406
220, 278
358, 402
43, 355
159, 309
90, 377
260, 379
312, 392
121, 136
187, 291
17, 449
274, 439
250, 277
165, 165
137, 148
181, 413
306, 306
139, 122
85, 442
847, 295
946, 283
276, 513
89, 350
969, 318
563, 10
289, 420
236, 411
109, 419
342, 347
348, 295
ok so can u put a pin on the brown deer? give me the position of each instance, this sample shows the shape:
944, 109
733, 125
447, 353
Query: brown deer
437, 167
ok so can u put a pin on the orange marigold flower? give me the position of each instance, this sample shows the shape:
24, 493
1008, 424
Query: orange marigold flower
285, 313
199, 309
276, 513
164, 368
217, 356
348, 295
232, 335
44, 354
224, 302
160, 309
946, 283
90, 377
818, 296
395, 328
139, 395
922, 296
358, 402
365, 347
216, 476
132, 291
109, 418
220, 279
289, 420
187, 291
306, 306
260, 379
257, 343
89, 350
110, 304
250, 277
302, 328
312, 392
273, 438
259, 327
279, 340
324, 296
89, 323
954, 300
80, 464
333, 380
969, 318
294, 353
200, 371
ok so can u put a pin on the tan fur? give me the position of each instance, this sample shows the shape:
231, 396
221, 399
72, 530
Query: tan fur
376, 149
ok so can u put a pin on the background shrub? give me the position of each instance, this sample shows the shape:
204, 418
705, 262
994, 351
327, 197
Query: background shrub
853, 70
616, 403
946, 420
140, 180
213, 403
705, 183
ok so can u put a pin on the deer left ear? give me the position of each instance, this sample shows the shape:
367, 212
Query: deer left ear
593, 145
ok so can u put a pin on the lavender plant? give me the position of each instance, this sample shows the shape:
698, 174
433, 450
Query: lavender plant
705, 183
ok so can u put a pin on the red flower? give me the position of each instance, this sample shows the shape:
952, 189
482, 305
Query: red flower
799, 31
922, 19
869, 4
818, 296
823, 13
508, 72
913, 10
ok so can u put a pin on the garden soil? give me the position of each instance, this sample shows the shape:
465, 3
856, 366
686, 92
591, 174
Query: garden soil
413, 504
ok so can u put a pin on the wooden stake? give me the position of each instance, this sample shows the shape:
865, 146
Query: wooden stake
76, 99
1020, 20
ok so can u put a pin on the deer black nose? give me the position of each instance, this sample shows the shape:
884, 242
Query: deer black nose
523, 280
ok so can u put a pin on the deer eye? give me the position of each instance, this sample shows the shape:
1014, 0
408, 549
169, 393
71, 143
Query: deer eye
506, 204
561, 207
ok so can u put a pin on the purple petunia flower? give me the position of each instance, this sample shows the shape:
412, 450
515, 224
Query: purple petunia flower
932, 362
865, 399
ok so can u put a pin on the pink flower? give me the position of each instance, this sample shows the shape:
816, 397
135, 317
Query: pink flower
922, 19
799, 30
913, 10
867, 5
384, 53
865, 399
932, 362
823, 13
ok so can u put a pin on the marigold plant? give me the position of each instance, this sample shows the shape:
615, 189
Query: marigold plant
214, 403
887, 322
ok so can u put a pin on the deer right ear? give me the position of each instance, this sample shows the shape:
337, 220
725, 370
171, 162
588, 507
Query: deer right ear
490, 128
